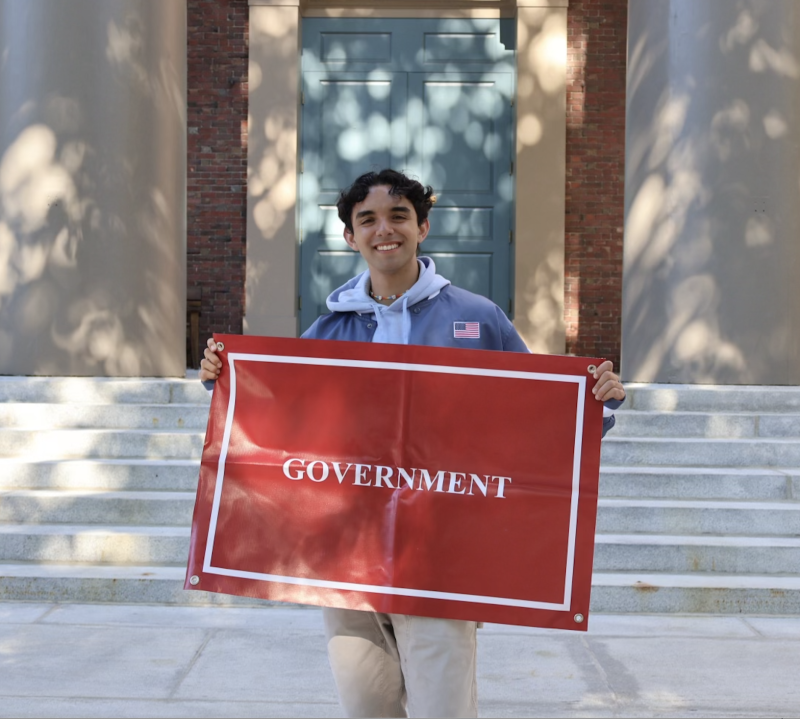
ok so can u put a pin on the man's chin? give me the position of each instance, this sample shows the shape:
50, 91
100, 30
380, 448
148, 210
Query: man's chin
391, 260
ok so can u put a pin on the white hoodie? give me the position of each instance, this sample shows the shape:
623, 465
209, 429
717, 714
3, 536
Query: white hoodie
394, 321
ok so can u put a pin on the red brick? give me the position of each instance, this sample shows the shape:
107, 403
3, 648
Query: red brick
217, 161
595, 200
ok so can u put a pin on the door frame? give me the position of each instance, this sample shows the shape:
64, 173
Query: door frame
272, 288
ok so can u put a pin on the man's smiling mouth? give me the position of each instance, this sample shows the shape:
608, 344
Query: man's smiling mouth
386, 248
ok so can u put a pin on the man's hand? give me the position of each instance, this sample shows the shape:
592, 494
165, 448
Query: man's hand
608, 385
210, 365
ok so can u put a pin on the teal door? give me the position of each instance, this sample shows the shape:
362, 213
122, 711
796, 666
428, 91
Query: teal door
432, 98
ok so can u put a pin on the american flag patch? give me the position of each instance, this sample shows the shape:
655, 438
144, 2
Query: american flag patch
468, 330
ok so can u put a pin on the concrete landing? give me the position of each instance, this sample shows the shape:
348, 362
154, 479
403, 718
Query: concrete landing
78, 660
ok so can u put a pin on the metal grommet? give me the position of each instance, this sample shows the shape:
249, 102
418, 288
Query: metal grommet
220, 346
591, 369
416, 310
369, 326
579, 619
195, 580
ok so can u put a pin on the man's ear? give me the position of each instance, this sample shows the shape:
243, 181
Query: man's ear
349, 238
424, 229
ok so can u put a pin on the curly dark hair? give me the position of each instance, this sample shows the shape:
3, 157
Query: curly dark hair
422, 198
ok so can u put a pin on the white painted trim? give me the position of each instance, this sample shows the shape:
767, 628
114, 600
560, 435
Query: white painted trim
410, 8
276, 3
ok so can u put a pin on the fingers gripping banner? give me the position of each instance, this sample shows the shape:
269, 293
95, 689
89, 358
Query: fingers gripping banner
415, 480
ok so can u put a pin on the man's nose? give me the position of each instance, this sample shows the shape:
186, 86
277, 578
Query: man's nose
384, 228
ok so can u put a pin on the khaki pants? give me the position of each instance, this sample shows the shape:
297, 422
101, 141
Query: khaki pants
385, 664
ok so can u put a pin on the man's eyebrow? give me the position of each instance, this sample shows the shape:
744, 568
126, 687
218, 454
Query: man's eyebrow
369, 213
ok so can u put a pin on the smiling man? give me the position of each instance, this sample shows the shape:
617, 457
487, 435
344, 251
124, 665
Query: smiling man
390, 665
400, 299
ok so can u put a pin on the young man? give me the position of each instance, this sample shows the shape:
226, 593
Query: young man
386, 665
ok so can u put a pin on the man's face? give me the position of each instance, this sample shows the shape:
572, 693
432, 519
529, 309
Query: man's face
385, 231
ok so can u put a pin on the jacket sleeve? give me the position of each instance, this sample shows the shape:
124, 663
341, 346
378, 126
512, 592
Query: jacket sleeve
311, 332
512, 342
608, 413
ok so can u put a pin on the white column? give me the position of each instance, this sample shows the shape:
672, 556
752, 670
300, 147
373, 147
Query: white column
541, 173
274, 84
711, 253
92, 187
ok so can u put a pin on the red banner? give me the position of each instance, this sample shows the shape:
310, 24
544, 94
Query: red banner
415, 480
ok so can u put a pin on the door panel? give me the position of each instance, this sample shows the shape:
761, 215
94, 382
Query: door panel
351, 121
355, 47
449, 147
465, 43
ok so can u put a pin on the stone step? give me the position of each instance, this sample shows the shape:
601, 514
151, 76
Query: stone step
616, 516
104, 416
140, 545
696, 593
687, 554
699, 483
711, 398
101, 390
150, 584
107, 443
694, 517
778, 425
113, 475
612, 592
190, 391
717, 425
695, 452
86, 507
94, 544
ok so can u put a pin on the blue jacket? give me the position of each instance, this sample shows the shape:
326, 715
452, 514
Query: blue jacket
432, 323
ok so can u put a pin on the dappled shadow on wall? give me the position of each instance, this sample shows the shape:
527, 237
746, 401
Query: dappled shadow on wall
92, 160
711, 252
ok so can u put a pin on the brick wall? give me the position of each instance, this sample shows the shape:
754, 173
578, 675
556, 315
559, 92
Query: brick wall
217, 198
597, 33
217, 163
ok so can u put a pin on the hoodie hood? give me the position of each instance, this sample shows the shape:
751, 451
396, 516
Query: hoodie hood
394, 322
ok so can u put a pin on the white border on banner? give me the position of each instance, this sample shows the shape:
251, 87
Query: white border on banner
402, 591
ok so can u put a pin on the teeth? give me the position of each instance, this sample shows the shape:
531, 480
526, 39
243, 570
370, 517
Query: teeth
386, 248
